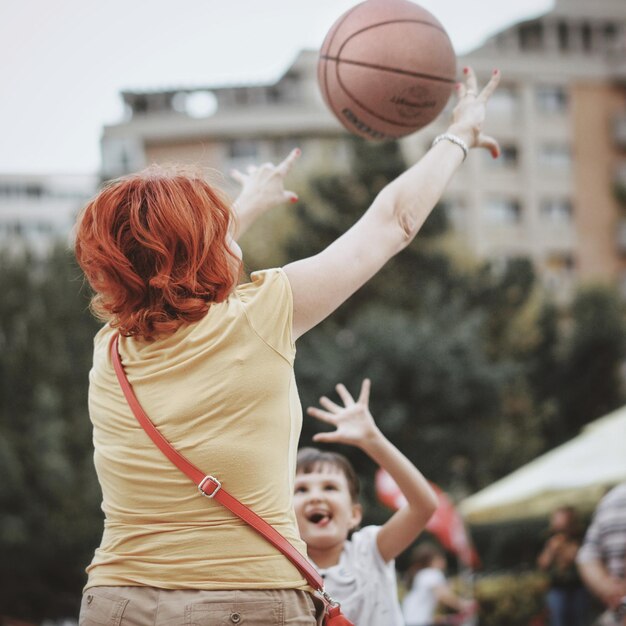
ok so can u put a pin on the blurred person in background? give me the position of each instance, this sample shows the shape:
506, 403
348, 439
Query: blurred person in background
602, 558
430, 589
567, 598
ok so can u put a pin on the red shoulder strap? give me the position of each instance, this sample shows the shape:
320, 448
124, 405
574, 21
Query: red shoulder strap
210, 486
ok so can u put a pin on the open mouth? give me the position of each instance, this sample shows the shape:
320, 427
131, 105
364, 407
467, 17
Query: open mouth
319, 518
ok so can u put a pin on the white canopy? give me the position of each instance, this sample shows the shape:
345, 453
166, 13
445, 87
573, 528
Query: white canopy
577, 473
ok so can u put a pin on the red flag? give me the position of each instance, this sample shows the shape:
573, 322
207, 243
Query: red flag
446, 523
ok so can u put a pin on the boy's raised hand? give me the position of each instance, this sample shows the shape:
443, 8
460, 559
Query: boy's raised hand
355, 426
353, 421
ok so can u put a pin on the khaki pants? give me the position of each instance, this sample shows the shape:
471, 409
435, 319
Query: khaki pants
147, 606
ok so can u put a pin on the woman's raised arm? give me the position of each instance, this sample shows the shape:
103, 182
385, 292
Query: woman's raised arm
321, 283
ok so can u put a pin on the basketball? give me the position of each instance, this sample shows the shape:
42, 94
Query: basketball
386, 69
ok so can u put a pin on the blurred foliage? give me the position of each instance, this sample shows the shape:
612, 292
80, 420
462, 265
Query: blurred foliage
473, 372
464, 357
514, 600
590, 377
511, 546
49, 496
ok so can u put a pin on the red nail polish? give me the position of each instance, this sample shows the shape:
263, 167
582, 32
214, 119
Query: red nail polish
465, 70
294, 200
298, 151
495, 72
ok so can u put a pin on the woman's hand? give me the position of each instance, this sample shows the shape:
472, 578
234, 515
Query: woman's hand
353, 421
263, 187
469, 114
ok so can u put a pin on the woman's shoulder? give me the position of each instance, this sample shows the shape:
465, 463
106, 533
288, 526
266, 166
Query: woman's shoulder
267, 304
272, 280
103, 337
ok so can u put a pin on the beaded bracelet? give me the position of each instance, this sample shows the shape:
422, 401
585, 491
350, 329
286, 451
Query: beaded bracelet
454, 139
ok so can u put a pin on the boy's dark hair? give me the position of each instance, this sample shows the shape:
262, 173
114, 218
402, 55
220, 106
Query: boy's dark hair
311, 460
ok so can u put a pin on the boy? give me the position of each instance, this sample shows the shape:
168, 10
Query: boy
358, 568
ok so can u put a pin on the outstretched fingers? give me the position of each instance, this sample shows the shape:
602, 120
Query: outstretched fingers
327, 437
364, 396
490, 87
345, 395
238, 176
471, 84
284, 166
323, 416
329, 405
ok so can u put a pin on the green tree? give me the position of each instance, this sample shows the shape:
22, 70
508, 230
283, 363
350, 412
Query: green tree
435, 338
464, 359
49, 497
594, 352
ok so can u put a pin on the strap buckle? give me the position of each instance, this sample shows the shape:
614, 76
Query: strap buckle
333, 603
216, 484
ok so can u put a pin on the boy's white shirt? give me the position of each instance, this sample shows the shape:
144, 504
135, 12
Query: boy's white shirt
364, 583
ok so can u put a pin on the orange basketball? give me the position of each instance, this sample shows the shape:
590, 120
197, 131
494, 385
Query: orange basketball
386, 68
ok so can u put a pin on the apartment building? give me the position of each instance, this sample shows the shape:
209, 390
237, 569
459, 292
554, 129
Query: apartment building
36, 211
556, 195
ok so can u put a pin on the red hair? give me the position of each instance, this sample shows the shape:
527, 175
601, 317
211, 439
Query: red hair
155, 248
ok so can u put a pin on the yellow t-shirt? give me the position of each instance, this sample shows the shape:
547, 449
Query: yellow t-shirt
222, 391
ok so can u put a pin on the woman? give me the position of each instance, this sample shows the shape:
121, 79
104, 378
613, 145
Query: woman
212, 365
567, 597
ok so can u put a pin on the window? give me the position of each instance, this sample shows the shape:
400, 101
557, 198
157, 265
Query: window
586, 36
619, 130
610, 33
43, 227
34, 191
552, 99
243, 149
503, 211
508, 157
140, 105
283, 146
563, 35
23, 190
273, 94
531, 36
555, 156
504, 101
557, 211
241, 95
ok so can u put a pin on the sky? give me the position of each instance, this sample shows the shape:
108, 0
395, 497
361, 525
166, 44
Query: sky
63, 63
